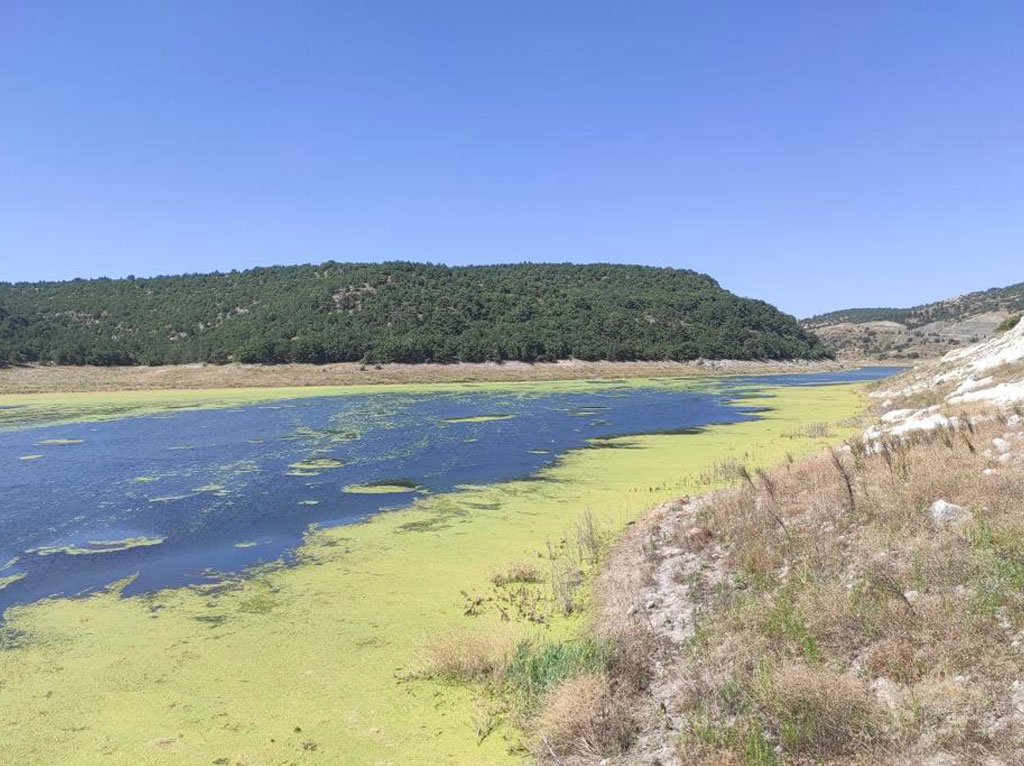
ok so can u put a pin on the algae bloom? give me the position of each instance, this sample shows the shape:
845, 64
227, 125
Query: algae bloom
381, 488
98, 546
313, 467
11, 579
479, 418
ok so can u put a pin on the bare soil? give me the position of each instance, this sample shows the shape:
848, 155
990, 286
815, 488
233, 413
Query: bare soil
39, 379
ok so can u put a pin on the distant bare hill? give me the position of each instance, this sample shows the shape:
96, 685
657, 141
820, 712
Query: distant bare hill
927, 330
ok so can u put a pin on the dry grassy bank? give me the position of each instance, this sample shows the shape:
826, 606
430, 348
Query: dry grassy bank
831, 610
39, 379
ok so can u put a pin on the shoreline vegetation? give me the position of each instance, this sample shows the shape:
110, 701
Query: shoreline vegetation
860, 605
56, 379
350, 635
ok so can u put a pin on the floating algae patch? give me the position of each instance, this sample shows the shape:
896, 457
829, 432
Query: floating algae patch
479, 418
144, 479
167, 498
29, 457
9, 563
246, 544
11, 579
314, 466
60, 442
338, 654
382, 487
327, 435
17, 410
216, 489
539, 452
309, 502
98, 546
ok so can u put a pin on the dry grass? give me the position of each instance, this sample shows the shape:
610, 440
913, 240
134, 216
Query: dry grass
583, 716
840, 582
523, 679
833, 620
1006, 373
517, 572
470, 655
812, 430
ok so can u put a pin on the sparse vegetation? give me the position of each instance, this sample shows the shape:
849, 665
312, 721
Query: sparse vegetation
1009, 323
519, 572
923, 331
837, 617
471, 655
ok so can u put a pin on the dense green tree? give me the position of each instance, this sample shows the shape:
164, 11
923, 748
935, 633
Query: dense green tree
394, 312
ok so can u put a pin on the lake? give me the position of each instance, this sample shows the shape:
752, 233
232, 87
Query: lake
180, 498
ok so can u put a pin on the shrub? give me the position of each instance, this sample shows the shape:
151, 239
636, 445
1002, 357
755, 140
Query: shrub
818, 712
465, 656
1009, 323
583, 716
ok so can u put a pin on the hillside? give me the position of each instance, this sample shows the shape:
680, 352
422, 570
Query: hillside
931, 329
394, 312
860, 606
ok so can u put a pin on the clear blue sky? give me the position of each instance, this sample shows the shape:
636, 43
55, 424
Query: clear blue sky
815, 154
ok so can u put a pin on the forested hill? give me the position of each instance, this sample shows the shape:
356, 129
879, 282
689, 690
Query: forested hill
394, 312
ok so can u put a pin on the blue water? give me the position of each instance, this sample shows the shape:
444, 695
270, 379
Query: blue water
209, 481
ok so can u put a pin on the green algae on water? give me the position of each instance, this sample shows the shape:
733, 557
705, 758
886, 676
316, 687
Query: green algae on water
216, 489
167, 498
60, 442
381, 488
29, 457
11, 579
313, 466
347, 622
479, 418
98, 546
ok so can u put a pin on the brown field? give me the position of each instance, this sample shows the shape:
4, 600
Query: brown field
41, 379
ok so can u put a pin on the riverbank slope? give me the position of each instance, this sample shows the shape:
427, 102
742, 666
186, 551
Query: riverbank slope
862, 606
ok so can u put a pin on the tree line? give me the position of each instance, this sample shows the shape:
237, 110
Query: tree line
394, 312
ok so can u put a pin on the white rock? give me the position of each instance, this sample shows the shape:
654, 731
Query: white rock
887, 692
1001, 444
1017, 696
1014, 420
944, 514
989, 471
972, 385
894, 415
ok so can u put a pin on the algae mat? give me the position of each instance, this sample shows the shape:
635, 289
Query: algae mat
309, 663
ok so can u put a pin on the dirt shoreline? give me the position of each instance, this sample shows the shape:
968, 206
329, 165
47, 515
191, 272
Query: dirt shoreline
42, 379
